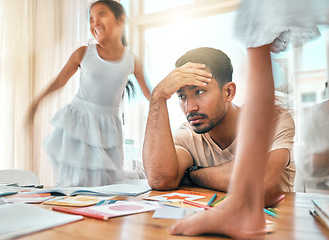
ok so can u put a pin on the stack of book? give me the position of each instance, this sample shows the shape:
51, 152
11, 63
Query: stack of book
321, 211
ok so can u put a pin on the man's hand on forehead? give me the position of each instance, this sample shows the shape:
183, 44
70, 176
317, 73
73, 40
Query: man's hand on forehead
190, 74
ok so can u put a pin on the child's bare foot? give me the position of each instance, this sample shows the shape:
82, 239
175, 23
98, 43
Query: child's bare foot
239, 222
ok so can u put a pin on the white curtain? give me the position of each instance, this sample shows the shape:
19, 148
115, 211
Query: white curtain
15, 71
36, 39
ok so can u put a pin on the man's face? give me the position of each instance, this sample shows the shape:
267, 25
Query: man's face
204, 107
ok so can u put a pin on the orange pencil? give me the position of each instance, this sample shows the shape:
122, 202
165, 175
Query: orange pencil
196, 204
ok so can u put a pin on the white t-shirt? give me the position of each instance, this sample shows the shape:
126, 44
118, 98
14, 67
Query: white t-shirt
205, 152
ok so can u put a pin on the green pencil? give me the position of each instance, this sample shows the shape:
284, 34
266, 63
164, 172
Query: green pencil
217, 202
273, 210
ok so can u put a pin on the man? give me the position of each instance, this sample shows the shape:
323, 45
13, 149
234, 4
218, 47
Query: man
202, 151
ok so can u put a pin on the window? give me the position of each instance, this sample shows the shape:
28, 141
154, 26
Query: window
309, 97
165, 44
159, 33
151, 6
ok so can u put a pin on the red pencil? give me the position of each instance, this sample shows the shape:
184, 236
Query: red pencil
68, 210
279, 199
196, 204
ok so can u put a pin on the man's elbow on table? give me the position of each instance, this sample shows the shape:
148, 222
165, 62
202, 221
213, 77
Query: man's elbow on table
162, 183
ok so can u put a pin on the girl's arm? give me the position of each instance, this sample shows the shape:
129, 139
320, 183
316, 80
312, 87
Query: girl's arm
138, 72
64, 75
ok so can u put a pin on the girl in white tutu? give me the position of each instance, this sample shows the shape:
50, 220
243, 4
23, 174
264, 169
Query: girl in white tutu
86, 146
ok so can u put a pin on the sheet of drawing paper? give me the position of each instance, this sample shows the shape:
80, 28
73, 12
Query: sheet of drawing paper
174, 212
77, 201
177, 196
19, 219
120, 208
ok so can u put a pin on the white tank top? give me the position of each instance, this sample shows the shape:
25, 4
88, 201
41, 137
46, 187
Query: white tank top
103, 82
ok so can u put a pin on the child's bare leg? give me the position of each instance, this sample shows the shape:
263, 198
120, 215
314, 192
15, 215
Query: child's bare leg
241, 215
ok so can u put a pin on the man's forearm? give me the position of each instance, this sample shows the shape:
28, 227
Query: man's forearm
217, 177
159, 154
160, 158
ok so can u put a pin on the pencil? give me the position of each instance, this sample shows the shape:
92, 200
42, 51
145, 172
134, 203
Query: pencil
273, 210
279, 199
270, 213
317, 217
217, 202
196, 204
7, 193
68, 210
212, 199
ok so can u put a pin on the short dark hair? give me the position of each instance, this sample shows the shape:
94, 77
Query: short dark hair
117, 10
215, 60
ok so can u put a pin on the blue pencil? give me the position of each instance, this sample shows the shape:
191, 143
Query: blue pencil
105, 202
7, 193
212, 199
270, 213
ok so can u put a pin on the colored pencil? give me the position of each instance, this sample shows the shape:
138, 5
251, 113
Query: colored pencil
2, 194
273, 210
105, 202
67, 210
270, 213
212, 199
217, 202
279, 199
317, 217
196, 204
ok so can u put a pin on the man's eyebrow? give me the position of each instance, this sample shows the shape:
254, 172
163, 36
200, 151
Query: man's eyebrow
190, 87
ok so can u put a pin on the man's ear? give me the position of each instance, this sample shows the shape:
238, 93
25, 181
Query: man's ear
230, 90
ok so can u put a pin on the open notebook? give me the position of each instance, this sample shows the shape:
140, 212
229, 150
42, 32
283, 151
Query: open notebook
132, 187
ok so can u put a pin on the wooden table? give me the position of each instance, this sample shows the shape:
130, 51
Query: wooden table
294, 222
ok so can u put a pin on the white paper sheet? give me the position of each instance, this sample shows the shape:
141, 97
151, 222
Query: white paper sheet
20, 219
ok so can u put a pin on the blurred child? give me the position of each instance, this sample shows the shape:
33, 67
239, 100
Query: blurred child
86, 146
264, 26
